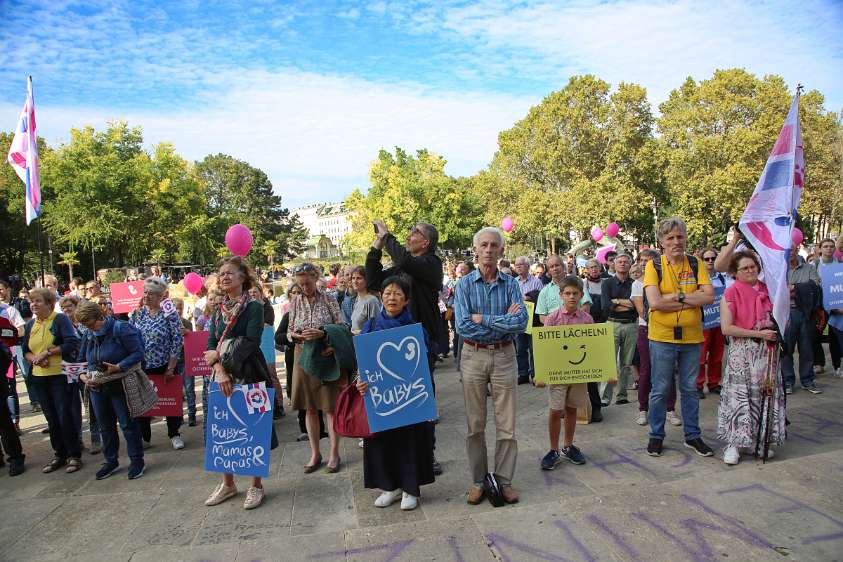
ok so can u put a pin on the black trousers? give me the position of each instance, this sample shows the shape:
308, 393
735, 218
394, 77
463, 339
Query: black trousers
8, 432
833, 347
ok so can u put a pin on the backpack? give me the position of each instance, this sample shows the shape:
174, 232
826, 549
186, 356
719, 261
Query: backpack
657, 264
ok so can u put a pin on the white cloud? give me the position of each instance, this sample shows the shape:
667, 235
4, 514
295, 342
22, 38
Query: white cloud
314, 135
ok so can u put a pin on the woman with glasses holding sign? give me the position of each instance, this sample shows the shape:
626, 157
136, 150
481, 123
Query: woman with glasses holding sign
752, 402
309, 313
397, 461
234, 353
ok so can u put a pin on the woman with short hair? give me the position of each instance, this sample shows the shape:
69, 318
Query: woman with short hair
746, 317
367, 305
48, 338
113, 349
162, 339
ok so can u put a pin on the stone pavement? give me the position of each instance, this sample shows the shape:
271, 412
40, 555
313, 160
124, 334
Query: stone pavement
621, 505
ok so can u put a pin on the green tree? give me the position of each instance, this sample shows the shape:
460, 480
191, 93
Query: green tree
69, 259
717, 135
408, 189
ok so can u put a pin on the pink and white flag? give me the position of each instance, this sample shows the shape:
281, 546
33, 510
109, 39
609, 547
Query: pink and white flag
770, 215
23, 155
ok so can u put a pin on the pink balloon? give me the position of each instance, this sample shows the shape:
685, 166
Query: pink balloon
597, 233
193, 282
238, 239
796, 236
601, 253
507, 225
612, 229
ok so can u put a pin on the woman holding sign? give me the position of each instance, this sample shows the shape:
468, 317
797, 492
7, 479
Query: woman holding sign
234, 345
397, 461
752, 385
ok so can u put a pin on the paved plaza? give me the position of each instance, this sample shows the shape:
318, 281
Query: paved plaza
621, 505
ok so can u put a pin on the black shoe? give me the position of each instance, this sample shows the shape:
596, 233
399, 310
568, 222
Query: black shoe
700, 394
106, 470
596, 416
573, 454
621, 401
191, 420
523, 379
16, 466
715, 390
654, 447
437, 468
699, 447
136, 469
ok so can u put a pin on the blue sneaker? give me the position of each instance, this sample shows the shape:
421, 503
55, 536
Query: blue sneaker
573, 454
136, 469
551, 460
106, 470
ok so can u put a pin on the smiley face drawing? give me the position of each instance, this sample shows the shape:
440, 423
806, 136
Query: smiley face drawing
582, 347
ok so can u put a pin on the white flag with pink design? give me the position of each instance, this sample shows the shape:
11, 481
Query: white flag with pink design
770, 215
23, 156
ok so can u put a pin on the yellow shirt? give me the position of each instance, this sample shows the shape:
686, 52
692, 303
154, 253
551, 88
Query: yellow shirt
41, 339
674, 280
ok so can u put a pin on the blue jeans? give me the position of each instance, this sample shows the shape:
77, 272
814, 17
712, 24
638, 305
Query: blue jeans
800, 331
59, 400
664, 358
85, 401
26, 372
111, 410
524, 354
12, 400
189, 386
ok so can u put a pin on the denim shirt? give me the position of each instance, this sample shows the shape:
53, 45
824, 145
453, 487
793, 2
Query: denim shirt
117, 342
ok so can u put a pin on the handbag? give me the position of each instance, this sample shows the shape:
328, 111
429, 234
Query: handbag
493, 490
350, 414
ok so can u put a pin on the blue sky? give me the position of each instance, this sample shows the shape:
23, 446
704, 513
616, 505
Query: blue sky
310, 91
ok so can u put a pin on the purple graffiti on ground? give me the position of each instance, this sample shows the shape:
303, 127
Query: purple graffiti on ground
621, 459
394, 550
793, 505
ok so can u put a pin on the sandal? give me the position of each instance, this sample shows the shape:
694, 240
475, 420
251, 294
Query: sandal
308, 468
54, 465
73, 465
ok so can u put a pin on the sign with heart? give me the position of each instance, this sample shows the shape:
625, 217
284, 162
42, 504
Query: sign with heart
394, 362
239, 432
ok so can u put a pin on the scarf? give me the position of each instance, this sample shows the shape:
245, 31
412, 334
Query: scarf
229, 311
384, 321
750, 307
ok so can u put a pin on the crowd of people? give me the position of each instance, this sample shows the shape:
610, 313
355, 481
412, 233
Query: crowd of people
76, 356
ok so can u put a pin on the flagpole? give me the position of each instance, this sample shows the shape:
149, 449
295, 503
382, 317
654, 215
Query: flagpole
40, 232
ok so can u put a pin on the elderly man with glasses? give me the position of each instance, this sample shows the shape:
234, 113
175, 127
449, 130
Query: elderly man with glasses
417, 262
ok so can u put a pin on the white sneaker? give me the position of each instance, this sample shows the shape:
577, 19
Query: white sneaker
386, 499
839, 372
254, 497
360, 443
731, 455
642, 418
177, 442
673, 419
408, 502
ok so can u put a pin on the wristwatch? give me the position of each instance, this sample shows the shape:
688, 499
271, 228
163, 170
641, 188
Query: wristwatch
681, 297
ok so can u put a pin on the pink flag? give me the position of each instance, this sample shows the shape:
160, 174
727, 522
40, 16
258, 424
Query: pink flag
770, 215
23, 156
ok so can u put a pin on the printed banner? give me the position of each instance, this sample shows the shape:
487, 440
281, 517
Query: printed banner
195, 344
169, 396
126, 297
268, 344
832, 279
73, 370
394, 362
531, 308
574, 354
239, 430
711, 313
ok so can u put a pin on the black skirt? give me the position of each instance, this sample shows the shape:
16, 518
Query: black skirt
399, 458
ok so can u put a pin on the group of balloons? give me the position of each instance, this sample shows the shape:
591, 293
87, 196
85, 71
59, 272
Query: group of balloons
611, 231
238, 240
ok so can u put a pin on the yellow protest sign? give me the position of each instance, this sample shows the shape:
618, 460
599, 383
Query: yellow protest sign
531, 308
574, 354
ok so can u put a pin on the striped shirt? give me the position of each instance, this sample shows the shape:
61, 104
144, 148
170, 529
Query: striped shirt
475, 296
531, 284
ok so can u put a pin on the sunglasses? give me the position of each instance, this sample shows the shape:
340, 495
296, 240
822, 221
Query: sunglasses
709, 259
303, 268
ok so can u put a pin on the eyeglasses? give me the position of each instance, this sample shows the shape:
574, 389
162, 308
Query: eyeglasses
710, 259
417, 230
303, 268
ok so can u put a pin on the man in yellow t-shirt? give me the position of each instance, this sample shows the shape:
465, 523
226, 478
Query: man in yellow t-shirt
676, 289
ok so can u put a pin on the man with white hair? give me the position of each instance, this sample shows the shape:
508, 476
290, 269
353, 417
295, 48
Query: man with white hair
530, 287
490, 314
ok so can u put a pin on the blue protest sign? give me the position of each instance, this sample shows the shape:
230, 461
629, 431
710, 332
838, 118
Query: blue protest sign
268, 344
394, 362
239, 430
711, 313
832, 278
